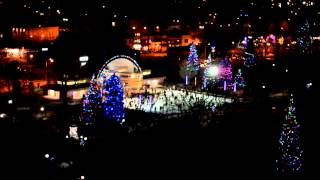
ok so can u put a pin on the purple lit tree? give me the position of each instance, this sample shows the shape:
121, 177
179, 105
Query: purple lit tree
290, 161
225, 74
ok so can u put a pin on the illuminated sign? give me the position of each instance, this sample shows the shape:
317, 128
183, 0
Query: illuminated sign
70, 83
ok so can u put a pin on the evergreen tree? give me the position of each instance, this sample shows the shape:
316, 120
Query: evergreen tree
225, 73
290, 161
209, 60
91, 102
239, 80
249, 58
304, 39
192, 65
113, 103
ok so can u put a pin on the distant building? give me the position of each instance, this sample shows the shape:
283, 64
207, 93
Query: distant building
70, 89
38, 34
155, 40
21, 55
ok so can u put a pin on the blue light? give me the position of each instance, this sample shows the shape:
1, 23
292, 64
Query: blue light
113, 104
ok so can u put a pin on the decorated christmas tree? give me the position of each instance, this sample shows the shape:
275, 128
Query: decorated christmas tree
113, 104
304, 39
192, 65
209, 60
249, 57
290, 161
225, 74
239, 80
91, 102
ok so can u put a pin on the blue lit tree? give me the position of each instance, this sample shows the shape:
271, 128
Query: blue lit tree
113, 104
304, 39
91, 102
290, 161
249, 58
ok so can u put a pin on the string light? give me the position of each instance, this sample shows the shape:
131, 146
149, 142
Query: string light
192, 61
290, 161
91, 102
225, 74
239, 80
113, 105
304, 39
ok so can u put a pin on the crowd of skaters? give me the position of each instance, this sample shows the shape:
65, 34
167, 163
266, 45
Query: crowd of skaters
173, 101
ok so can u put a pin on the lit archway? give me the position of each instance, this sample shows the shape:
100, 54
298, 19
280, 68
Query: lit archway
126, 68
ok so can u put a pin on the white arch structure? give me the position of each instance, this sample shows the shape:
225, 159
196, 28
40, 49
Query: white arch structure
126, 68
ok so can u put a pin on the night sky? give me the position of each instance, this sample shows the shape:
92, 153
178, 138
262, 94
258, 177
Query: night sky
152, 10
163, 8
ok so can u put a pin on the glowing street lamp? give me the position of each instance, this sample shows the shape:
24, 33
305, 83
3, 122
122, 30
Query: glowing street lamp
47, 156
50, 61
213, 71
10, 101
2, 115
43, 112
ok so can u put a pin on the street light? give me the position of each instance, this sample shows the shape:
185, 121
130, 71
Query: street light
10, 101
50, 61
42, 109
2, 115
213, 71
47, 156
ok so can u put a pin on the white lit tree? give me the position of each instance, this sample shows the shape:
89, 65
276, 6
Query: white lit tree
291, 153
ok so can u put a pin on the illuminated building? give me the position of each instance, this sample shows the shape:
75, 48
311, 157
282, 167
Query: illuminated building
155, 40
75, 89
39, 34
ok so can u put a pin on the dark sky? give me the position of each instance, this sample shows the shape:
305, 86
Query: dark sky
143, 8
151, 10
160, 8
